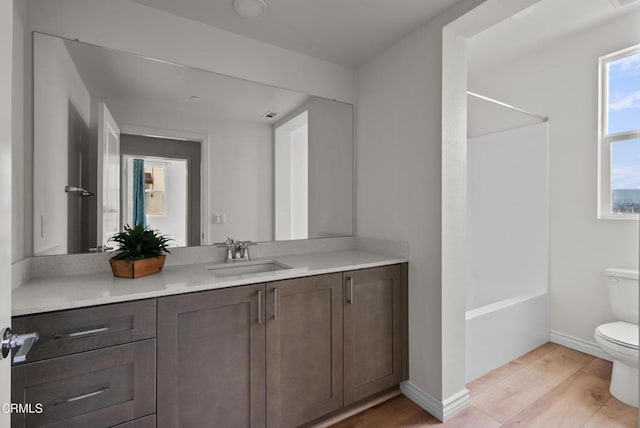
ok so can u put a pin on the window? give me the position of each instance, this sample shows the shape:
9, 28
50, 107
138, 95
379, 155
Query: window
619, 127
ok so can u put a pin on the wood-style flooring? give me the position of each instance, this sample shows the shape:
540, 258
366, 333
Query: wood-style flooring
551, 386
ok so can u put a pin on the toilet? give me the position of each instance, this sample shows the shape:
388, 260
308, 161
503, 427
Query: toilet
619, 339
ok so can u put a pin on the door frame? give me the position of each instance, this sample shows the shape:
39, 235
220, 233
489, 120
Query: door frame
205, 149
7, 45
107, 126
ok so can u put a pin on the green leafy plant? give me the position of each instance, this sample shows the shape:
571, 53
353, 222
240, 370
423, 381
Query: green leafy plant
139, 242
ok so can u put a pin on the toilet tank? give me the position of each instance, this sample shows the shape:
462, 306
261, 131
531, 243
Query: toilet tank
623, 293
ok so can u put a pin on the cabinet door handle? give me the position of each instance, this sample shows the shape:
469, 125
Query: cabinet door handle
59, 401
259, 306
275, 303
350, 290
81, 333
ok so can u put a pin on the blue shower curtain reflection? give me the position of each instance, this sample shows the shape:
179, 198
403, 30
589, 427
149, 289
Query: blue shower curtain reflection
139, 200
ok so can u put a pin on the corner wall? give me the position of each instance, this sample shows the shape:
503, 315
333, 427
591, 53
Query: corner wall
399, 196
411, 185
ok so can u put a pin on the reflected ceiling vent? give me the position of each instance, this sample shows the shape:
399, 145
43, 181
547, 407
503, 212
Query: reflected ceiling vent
270, 115
250, 9
620, 3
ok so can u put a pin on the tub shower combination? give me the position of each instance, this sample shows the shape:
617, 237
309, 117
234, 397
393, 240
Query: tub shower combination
507, 298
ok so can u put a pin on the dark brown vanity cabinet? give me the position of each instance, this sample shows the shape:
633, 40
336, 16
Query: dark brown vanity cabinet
304, 349
251, 356
275, 355
280, 354
372, 331
211, 358
91, 367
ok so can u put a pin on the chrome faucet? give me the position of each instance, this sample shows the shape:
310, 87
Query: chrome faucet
236, 250
242, 251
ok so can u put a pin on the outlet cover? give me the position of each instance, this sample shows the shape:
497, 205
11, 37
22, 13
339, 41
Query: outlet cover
218, 218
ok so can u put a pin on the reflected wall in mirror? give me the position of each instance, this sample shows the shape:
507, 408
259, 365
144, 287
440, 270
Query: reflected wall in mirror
122, 139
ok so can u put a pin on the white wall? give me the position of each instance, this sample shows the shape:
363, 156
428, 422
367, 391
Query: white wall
398, 176
562, 81
242, 154
330, 166
399, 192
508, 214
57, 85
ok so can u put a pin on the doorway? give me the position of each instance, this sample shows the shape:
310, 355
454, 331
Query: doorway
175, 163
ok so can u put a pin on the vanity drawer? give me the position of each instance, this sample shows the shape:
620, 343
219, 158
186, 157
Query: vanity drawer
79, 330
95, 389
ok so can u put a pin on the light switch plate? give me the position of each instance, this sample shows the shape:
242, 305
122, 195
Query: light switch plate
218, 218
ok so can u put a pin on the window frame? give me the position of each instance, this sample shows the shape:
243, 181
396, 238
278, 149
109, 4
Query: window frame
605, 140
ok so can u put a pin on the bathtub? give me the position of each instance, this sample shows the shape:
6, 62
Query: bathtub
499, 332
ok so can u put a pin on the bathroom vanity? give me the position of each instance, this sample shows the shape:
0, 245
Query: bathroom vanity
276, 349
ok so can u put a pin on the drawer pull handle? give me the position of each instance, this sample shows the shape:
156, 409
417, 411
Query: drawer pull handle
259, 307
275, 303
80, 333
59, 401
350, 290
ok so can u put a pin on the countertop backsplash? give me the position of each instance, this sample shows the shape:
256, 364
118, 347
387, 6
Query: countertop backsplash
81, 264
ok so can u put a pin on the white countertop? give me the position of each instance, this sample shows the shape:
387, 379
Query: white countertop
76, 291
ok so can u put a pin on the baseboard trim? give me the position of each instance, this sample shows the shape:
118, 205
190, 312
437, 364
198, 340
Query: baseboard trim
456, 403
578, 344
442, 410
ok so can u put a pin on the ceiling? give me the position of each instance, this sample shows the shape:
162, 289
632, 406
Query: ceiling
152, 85
542, 25
344, 32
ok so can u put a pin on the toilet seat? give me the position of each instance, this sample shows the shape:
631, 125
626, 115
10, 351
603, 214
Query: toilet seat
620, 333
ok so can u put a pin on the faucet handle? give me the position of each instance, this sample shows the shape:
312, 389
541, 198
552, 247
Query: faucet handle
226, 244
244, 249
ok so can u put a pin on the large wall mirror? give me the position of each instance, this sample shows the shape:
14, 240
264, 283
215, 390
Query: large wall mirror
123, 139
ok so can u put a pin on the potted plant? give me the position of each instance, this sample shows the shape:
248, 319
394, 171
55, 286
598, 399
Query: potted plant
142, 252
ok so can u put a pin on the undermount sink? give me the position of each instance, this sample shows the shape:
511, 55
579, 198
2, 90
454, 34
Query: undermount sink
246, 268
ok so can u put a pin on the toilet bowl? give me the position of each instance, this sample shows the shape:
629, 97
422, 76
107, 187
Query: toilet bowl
619, 339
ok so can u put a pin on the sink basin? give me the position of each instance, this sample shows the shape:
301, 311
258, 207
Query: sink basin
246, 268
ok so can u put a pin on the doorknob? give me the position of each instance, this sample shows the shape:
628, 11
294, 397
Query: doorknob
22, 341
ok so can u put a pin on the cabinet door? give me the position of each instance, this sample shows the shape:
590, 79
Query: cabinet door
211, 359
304, 349
372, 331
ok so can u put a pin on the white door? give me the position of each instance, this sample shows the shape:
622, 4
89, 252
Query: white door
6, 37
108, 193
